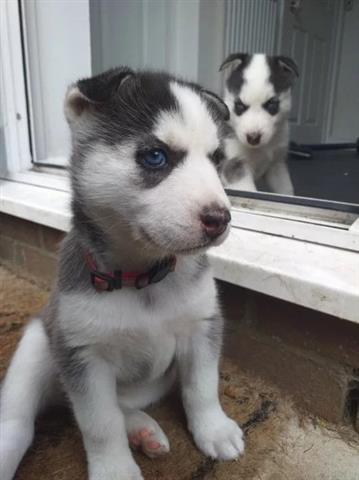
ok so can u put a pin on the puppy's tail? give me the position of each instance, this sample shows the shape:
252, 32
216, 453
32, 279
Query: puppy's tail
23, 393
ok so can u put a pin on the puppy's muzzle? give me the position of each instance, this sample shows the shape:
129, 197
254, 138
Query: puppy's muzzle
215, 221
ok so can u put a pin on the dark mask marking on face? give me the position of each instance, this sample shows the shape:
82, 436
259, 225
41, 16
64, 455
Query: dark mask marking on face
272, 106
239, 107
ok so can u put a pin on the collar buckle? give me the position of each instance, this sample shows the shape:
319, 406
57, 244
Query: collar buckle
103, 282
142, 281
157, 273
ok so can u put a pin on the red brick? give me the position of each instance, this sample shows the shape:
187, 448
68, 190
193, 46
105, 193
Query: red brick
36, 263
21, 230
7, 249
237, 304
308, 330
51, 239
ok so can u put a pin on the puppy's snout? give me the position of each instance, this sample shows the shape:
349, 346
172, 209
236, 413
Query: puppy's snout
254, 138
215, 221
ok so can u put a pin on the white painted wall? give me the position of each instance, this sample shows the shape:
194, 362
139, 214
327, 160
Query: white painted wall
344, 118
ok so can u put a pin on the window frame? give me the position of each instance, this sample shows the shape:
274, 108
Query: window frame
30, 18
16, 103
337, 232
16, 126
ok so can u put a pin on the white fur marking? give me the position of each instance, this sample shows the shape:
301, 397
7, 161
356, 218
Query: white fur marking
191, 129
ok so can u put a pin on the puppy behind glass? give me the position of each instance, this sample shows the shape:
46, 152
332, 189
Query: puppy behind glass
258, 95
123, 320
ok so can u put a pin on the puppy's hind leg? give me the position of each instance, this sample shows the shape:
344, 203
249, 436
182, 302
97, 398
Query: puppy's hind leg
23, 392
144, 432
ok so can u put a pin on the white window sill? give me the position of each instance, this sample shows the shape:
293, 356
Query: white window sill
39, 204
320, 277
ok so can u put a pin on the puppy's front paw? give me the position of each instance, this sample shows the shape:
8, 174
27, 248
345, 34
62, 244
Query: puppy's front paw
218, 436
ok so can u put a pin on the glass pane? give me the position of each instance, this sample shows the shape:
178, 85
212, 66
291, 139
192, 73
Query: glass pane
2, 138
156, 34
3, 152
292, 135
321, 161
289, 151
57, 38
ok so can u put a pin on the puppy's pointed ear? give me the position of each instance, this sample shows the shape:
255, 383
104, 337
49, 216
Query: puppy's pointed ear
216, 102
233, 61
288, 65
101, 87
76, 103
91, 92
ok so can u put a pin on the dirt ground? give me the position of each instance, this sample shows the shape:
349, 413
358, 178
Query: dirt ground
280, 443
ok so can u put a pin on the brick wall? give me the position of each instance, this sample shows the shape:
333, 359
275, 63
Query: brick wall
29, 249
310, 355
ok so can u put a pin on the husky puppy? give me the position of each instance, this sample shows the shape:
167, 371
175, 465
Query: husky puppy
258, 95
124, 321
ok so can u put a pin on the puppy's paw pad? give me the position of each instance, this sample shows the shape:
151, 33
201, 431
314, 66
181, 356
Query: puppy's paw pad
152, 443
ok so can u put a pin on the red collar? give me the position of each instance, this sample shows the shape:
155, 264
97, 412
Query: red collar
109, 281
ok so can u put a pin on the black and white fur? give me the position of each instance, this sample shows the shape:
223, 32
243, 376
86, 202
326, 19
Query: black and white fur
258, 95
115, 353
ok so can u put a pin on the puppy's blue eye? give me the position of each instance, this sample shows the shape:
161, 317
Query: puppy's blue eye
155, 158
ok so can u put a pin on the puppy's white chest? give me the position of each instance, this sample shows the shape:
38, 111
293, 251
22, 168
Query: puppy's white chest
139, 356
98, 318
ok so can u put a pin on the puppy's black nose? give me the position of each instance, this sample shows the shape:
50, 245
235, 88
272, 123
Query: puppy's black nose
253, 138
214, 221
